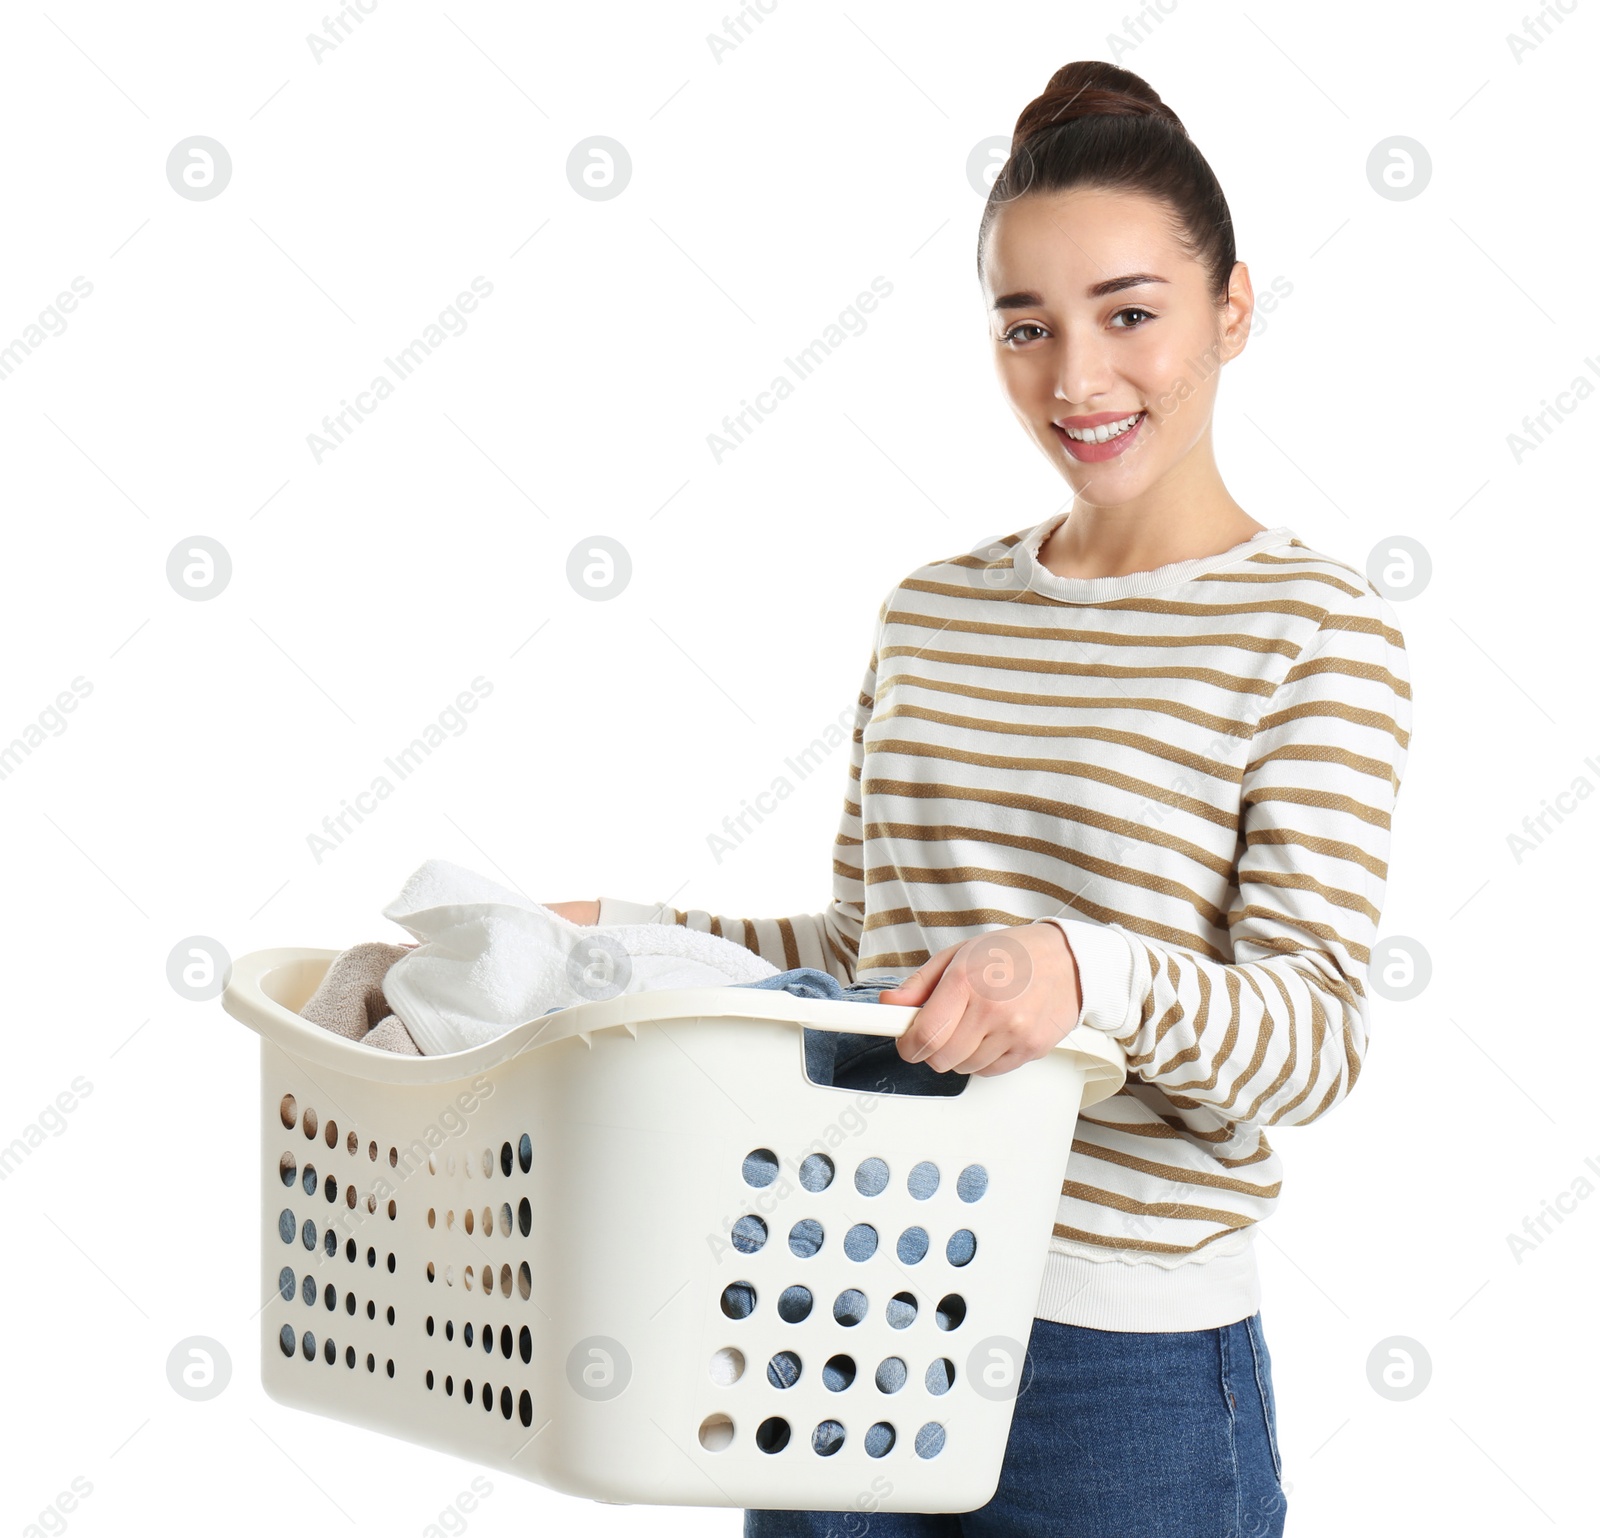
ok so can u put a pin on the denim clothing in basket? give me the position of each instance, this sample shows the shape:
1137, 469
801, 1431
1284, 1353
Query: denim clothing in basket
850, 1060
1162, 1434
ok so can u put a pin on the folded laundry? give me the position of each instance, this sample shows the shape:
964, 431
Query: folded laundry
487, 959
490, 959
349, 1000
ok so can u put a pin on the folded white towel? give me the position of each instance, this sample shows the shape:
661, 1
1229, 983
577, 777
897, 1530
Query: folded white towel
491, 959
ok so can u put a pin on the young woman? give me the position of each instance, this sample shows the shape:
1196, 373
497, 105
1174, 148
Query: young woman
1145, 754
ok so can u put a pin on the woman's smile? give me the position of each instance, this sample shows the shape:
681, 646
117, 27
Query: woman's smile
1099, 437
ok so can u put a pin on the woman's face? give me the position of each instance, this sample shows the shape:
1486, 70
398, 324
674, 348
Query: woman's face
1097, 314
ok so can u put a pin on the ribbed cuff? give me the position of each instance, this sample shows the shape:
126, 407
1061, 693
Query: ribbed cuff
1106, 960
618, 910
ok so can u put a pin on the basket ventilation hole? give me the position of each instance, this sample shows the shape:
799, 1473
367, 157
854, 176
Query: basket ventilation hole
952, 1310
505, 1280
524, 1280
525, 1346
505, 1158
783, 1371
286, 1284
749, 1234
308, 1290
309, 1180
838, 1373
962, 1247
525, 1408
972, 1182
816, 1172
872, 1177
891, 1375
940, 1375
466, 1220
488, 1223
923, 1180
930, 1440
760, 1169
738, 1299
861, 1242
525, 1159
879, 1439
850, 1307
431, 1217
505, 1220
331, 1133
727, 1367
351, 1143
286, 1339
716, 1433
794, 1304
286, 1169
309, 1122
913, 1245
827, 1439
525, 1217
772, 1435
900, 1310
286, 1110
805, 1238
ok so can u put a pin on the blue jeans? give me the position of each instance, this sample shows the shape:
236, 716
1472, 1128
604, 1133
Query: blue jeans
1116, 1434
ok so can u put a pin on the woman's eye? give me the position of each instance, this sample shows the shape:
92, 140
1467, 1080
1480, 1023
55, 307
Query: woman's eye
1026, 325
1132, 309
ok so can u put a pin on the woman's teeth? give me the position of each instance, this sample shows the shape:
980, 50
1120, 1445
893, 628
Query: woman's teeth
1102, 434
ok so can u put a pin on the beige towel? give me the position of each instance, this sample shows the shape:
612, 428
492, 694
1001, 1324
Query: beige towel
349, 1000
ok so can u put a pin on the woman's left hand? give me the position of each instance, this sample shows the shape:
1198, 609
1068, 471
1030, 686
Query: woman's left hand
991, 1003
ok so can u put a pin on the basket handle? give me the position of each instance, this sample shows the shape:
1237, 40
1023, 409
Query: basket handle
258, 984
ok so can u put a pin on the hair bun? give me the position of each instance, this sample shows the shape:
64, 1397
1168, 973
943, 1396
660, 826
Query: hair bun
1089, 88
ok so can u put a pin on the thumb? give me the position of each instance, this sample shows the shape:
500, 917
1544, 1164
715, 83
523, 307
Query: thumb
916, 988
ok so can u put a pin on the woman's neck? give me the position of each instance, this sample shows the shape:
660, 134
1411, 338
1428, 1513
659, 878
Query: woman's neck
1096, 542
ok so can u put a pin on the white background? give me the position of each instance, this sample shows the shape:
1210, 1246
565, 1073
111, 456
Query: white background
768, 190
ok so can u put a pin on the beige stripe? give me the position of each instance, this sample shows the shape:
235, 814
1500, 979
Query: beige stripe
1328, 846
1056, 635
1230, 726
1180, 1211
1338, 711
1146, 1246
1056, 667
1337, 896
1074, 769
1327, 800
1180, 1174
1068, 811
1348, 667
1320, 753
1154, 746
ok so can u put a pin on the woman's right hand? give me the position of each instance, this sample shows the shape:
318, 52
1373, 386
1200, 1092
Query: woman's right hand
586, 915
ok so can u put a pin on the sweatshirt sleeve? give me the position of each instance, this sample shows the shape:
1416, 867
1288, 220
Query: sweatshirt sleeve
1279, 1034
830, 940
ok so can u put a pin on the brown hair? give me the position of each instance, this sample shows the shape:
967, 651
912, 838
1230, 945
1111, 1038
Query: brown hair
1095, 125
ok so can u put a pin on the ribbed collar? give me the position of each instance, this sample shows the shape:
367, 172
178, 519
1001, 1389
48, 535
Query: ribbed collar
1135, 584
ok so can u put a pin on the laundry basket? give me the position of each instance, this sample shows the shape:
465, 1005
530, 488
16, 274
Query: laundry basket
589, 1251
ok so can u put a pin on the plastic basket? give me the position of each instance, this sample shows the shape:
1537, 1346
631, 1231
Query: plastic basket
526, 1254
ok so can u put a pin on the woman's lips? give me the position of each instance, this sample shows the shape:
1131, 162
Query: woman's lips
1094, 453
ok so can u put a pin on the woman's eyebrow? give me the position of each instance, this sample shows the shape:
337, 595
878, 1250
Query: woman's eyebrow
1027, 299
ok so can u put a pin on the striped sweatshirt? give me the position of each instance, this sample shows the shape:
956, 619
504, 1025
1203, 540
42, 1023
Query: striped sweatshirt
1192, 771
